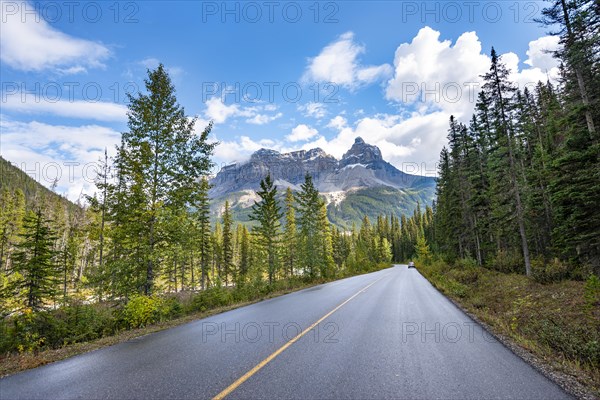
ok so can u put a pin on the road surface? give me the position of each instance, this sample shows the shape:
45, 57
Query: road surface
388, 334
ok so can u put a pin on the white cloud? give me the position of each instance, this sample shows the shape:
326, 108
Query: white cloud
29, 43
219, 112
529, 77
301, 132
337, 123
313, 109
46, 152
428, 64
436, 75
29, 104
338, 63
262, 119
230, 151
540, 53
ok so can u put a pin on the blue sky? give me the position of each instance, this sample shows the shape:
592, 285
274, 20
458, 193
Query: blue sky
283, 75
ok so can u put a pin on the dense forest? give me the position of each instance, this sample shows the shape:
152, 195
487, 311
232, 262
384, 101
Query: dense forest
519, 182
518, 191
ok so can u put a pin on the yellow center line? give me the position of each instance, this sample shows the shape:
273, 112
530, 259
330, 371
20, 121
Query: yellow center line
267, 360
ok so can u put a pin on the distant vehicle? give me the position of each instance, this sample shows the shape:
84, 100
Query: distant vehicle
411, 264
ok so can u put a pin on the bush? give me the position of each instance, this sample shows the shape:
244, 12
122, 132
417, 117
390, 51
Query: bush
548, 272
592, 291
508, 262
466, 276
212, 298
141, 311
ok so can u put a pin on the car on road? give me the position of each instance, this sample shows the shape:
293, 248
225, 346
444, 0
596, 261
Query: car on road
411, 264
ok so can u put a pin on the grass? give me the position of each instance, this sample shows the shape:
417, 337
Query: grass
556, 322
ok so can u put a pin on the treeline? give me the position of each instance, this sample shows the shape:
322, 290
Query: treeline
519, 184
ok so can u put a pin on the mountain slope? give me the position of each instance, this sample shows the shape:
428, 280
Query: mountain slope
361, 183
13, 178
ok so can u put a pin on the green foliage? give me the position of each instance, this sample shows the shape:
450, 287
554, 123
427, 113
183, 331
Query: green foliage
212, 298
34, 262
507, 261
143, 310
592, 292
268, 215
422, 250
551, 271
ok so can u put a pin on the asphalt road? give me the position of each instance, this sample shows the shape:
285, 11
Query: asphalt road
394, 336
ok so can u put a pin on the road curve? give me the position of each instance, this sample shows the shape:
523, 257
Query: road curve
394, 336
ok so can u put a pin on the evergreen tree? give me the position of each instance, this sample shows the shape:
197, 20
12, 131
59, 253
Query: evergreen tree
290, 233
35, 262
202, 215
267, 213
228, 266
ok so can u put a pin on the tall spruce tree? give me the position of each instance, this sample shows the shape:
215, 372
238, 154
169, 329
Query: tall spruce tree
267, 213
35, 261
228, 265
290, 235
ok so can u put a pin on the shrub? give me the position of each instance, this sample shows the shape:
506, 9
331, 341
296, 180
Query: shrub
144, 310
548, 272
212, 298
466, 276
508, 262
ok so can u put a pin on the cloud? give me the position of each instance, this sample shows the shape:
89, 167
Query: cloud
436, 73
46, 152
29, 43
262, 119
219, 112
302, 133
528, 77
540, 53
230, 151
27, 103
338, 63
313, 109
337, 123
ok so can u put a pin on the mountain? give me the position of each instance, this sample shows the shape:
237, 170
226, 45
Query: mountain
360, 183
13, 178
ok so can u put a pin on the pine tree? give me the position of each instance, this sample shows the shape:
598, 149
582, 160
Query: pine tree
34, 260
326, 263
290, 233
244, 264
422, 250
309, 208
267, 213
228, 266
202, 215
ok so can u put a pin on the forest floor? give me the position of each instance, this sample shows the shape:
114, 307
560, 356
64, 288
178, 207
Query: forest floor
552, 326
